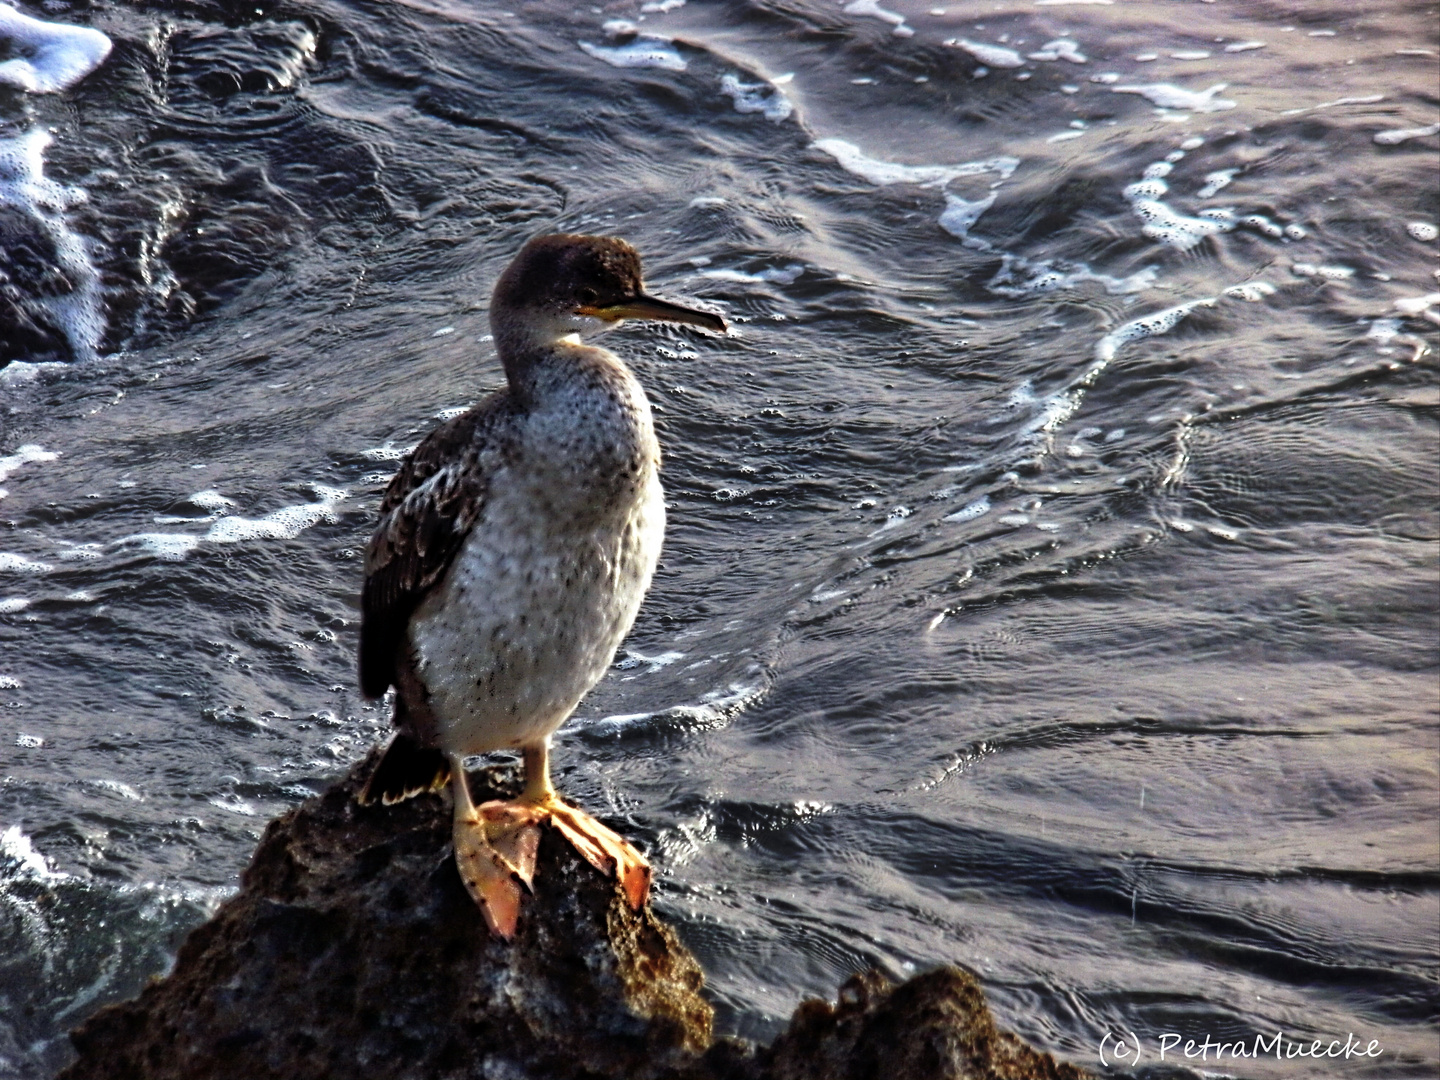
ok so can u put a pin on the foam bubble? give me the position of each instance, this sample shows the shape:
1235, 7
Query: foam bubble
1423, 231
993, 55
764, 98
57, 56
1190, 54
12, 604
644, 52
850, 158
1168, 96
660, 7
1399, 135
1244, 46
1192, 143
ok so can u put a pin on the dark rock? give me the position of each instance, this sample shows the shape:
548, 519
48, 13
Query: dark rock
352, 949
935, 1026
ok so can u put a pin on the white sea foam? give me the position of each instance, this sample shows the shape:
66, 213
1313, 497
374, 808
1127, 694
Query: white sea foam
283, 524
1330, 273
1262, 224
1169, 227
1244, 46
29, 454
645, 51
23, 184
883, 173
764, 98
777, 275
24, 373
12, 563
1399, 135
55, 56
971, 511
1424, 231
960, 215
172, 547
993, 55
873, 9
1417, 305
1019, 276
20, 855
10, 605
1159, 322
1168, 96
1215, 181
212, 501
1251, 291
389, 451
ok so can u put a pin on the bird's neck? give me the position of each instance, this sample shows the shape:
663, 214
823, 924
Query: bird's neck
545, 359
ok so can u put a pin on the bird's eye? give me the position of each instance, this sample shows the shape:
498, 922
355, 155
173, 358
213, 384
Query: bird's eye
588, 296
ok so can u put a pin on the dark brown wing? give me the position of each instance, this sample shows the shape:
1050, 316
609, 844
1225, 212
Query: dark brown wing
429, 508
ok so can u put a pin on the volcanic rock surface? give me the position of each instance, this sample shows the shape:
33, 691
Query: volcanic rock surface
352, 949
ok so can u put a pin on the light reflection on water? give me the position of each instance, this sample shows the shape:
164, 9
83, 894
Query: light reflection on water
1051, 591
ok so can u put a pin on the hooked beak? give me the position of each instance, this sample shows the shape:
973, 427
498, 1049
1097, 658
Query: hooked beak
648, 307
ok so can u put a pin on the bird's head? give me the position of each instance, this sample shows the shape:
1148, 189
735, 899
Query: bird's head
566, 284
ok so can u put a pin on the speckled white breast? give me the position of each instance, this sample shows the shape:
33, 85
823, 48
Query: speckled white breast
532, 610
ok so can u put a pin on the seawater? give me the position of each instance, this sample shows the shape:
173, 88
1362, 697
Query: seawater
1051, 584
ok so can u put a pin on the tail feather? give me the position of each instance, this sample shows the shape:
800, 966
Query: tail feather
405, 769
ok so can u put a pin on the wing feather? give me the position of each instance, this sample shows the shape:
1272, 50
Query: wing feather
431, 505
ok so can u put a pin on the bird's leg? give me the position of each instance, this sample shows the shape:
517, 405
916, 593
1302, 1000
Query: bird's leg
491, 852
605, 850
496, 842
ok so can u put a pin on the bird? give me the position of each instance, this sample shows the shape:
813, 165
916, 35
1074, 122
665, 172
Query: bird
513, 549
